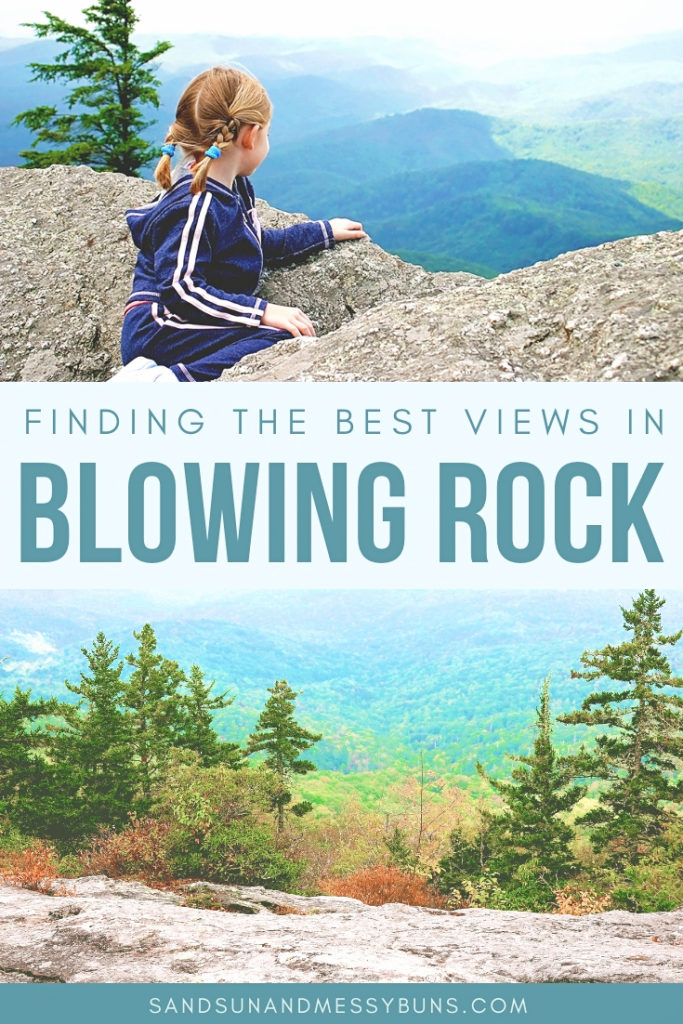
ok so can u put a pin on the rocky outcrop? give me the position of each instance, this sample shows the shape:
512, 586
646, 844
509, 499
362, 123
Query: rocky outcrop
68, 261
116, 931
614, 312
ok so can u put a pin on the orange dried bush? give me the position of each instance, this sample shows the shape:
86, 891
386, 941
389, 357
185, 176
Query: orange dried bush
140, 851
34, 868
577, 902
384, 884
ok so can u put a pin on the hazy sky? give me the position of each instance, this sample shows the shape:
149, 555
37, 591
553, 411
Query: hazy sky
494, 30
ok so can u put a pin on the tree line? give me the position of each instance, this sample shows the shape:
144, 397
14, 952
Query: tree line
69, 768
135, 773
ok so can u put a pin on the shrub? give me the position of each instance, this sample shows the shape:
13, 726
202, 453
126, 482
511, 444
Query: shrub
12, 840
577, 901
139, 851
650, 887
384, 884
34, 868
221, 827
526, 890
237, 853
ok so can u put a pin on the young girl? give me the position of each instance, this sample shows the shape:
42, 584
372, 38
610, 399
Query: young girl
192, 310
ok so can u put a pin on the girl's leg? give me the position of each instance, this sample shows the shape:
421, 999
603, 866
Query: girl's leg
194, 352
208, 364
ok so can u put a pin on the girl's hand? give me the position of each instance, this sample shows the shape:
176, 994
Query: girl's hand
344, 229
287, 318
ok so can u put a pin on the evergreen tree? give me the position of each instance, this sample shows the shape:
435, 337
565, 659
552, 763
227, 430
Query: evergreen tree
195, 729
641, 753
110, 79
282, 739
97, 749
467, 859
153, 704
400, 854
532, 828
26, 777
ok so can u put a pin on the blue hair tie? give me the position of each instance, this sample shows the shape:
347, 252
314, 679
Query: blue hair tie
168, 149
213, 151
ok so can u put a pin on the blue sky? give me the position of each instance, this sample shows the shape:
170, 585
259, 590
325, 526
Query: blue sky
476, 33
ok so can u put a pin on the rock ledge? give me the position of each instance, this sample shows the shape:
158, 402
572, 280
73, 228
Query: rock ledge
121, 931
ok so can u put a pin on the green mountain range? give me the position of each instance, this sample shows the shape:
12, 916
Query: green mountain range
384, 674
499, 214
581, 150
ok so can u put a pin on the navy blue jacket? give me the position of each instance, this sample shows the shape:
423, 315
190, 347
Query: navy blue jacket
201, 257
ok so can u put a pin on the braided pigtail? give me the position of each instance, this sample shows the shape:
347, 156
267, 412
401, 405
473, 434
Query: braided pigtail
226, 135
162, 171
211, 112
200, 172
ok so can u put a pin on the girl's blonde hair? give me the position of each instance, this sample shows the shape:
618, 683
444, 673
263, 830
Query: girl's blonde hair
211, 111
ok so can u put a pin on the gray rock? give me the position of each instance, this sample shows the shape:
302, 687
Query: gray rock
68, 262
120, 931
614, 312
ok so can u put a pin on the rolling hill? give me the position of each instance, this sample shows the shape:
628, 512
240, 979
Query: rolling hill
633, 149
448, 188
384, 674
499, 214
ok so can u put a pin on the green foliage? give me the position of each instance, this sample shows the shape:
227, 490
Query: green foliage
639, 752
466, 864
650, 887
196, 714
110, 79
435, 671
283, 740
454, 190
12, 839
540, 795
148, 743
68, 769
501, 214
94, 752
635, 149
525, 891
154, 706
221, 830
659, 197
19, 742
28, 781
400, 854
245, 854
481, 891
517, 858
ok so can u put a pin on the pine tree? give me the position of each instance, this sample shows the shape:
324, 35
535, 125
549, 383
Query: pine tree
282, 739
467, 859
153, 703
640, 754
195, 728
533, 829
400, 854
110, 79
97, 749
26, 776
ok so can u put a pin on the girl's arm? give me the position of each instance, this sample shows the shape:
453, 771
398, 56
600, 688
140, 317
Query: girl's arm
300, 239
296, 240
